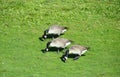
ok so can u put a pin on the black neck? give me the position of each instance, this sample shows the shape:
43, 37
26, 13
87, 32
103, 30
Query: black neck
48, 44
66, 53
45, 32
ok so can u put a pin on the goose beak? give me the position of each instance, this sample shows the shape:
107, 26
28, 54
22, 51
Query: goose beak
41, 38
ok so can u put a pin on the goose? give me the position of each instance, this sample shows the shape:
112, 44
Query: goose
54, 30
59, 43
76, 50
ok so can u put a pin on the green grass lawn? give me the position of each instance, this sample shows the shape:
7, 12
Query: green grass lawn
93, 23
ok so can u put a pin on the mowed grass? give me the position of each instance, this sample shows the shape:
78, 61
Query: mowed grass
93, 23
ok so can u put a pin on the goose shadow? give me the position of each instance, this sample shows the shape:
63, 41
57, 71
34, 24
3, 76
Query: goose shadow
50, 36
70, 56
52, 49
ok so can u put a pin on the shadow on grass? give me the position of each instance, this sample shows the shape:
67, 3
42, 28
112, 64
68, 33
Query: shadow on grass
70, 56
49, 36
52, 49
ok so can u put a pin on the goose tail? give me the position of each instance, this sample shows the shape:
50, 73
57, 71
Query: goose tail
71, 41
66, 28
88, 48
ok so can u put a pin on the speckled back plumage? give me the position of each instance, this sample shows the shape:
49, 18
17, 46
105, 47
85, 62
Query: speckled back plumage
55, 29
77, 49
59, 42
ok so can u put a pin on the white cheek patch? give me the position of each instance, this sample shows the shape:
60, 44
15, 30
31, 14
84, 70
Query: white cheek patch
45, 36
66, 58
47, 49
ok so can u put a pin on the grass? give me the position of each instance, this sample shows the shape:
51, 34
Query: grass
94, 23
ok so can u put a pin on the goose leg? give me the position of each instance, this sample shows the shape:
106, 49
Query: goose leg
52, 38
58, 50
65, 48
77, 57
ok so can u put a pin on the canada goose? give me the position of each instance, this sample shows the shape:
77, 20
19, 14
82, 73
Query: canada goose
54, 30
75, 49
58, 43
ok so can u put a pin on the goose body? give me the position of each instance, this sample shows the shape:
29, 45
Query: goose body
75, 49
58, 43
54, 30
